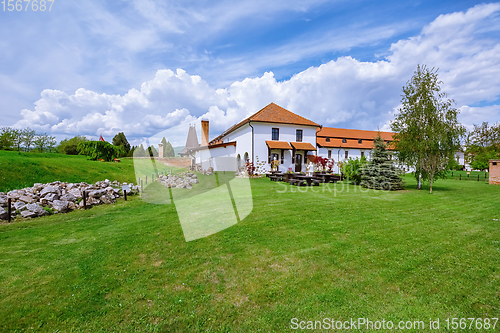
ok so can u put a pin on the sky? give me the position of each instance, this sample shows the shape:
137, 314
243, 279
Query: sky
146, 67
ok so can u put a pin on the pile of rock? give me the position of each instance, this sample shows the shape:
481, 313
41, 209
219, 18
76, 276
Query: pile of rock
59, 197
183, 180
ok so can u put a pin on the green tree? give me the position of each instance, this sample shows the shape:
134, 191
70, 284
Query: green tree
351, 169
41, 141
120, 140
17, 138
6, 138
482, 144
152, 152
139, 151
168, 150
427, 129
380, 173
51, 142
28, 137
69, 146
99, 150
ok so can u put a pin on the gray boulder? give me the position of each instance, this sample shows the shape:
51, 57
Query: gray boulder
26, 199
48, 189
107, 199
51, 197
28, 213
68, 197
13, 195
60, 206
35, 208
20, 206
4, 215
3, 202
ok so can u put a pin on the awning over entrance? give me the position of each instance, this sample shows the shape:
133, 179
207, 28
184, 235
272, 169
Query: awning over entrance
302, 146
278, 145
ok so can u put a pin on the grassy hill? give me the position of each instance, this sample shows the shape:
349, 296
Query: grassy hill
19, 170
333, 251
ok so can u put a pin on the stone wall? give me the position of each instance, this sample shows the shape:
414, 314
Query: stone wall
495, 172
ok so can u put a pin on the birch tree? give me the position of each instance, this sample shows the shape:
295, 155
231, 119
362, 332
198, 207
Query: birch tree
427, 129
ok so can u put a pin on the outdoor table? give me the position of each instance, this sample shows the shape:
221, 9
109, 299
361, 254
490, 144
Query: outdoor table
327, 178
308, 179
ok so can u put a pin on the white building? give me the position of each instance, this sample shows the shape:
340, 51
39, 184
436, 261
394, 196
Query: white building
274, 133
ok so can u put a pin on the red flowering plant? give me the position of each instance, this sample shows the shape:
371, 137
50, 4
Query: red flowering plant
250, 168
320, 163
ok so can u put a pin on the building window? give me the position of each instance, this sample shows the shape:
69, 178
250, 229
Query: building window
276, 133
329, 154
346, 154
494, 163
327, 139
344, 140
274, 157
298, 135
360, 141
362, 154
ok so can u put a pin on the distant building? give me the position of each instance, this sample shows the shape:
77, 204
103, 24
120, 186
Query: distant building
191, 143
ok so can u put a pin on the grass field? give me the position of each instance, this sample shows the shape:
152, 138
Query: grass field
308, 253
19, 170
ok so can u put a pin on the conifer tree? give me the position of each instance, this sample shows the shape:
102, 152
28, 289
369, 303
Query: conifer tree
380, 173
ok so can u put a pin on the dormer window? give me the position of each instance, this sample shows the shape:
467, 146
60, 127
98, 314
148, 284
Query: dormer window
344, 140
360, 141
276, 134
327, 139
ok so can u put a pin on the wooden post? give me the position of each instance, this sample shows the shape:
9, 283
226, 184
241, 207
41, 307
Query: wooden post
485, 175
141, 186
460, 177
9, 210
84, 199
125, 194
146, 179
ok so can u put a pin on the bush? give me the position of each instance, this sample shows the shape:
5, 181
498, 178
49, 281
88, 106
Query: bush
70, 146
99, 150
351, 169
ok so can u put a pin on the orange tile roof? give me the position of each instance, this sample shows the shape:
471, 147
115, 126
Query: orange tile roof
272, 113
278, 144
350, 143
302, 146
343, 133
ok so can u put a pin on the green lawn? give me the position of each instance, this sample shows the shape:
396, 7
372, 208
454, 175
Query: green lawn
308, 253
19, 170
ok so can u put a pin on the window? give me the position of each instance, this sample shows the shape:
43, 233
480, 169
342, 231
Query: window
344, 140
298, 135
494, 163
360, 141
329, 154
458, 159
276, 133
327, 139
362, 154
346, 154
274, 157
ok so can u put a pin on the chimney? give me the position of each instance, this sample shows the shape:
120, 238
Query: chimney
204, 133
160, 150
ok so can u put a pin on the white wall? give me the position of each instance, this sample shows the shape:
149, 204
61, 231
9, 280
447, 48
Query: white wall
263, 132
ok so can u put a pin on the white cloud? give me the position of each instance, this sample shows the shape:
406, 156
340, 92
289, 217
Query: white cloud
344, 93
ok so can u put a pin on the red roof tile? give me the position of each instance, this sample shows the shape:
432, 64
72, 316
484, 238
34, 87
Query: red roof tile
302, 146
272, 113
278, 145
344, 133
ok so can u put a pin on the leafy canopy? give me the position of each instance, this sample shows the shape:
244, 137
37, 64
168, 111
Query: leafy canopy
427, 129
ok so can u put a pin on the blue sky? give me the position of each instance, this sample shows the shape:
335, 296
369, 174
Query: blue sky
99, 67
